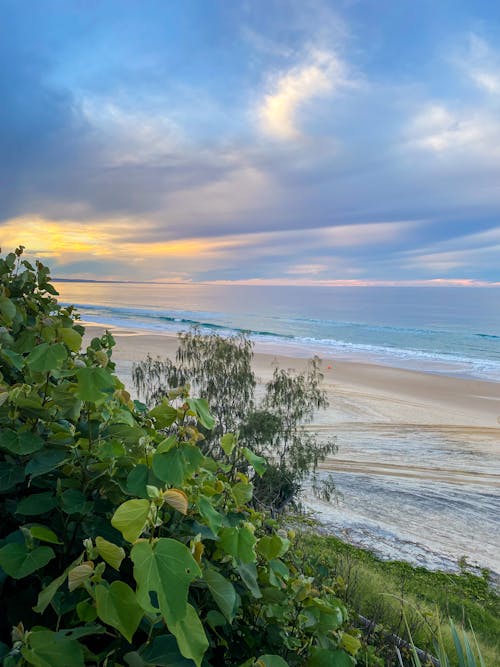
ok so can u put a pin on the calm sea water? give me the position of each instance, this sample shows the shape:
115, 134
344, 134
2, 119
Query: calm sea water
449, 329
430, 509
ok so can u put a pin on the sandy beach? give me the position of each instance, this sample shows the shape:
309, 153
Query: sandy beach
407, 440
358, 392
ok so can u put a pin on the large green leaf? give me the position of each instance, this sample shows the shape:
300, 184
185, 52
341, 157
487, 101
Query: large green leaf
93, 383
191, 636
18, 561
49, 649
45, 461
137, 480
272, 546
174, 466
71, 338
129, 435
7, 309
228, 443
10, 475
242, 492
258, 463
248, 574
25, 341
164, 414
164, 652
47, 357
117, 606
20, 442
200, 407
239, 542
222, 592
131, 517
278, 572
214, 519
167, 568
74, 501
37, 503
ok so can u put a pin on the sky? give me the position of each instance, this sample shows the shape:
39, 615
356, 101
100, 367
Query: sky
262, 141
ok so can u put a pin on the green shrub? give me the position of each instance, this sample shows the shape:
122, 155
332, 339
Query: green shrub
122, 542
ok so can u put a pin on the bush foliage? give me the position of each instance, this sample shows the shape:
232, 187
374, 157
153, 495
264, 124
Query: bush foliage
120, 544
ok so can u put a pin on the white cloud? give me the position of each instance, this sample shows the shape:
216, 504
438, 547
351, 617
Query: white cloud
439, 129
489, 81
482, 64
320, 74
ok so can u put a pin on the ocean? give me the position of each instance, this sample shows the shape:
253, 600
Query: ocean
429, 495
451, 330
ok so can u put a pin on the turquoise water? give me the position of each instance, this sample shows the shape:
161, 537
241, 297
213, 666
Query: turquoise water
448, 330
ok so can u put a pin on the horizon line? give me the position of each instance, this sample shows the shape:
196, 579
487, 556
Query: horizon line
280, 282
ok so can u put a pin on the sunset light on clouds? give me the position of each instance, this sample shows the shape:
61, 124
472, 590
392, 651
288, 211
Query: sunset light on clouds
262, 142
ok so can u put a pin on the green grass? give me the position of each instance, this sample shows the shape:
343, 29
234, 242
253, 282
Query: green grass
394, 593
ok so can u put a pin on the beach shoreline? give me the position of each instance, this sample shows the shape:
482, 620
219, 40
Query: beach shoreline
382, 392
409, 441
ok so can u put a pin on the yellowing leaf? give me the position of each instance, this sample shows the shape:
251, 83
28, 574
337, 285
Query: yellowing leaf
197, 551
350, 644
80, 574
111, 553
176, 499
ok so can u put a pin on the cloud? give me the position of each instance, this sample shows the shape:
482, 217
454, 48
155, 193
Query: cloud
148, 159
439, 129
307, 269
130, 135
467, 252
66, 244
299, 282
482, 64
321, 74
